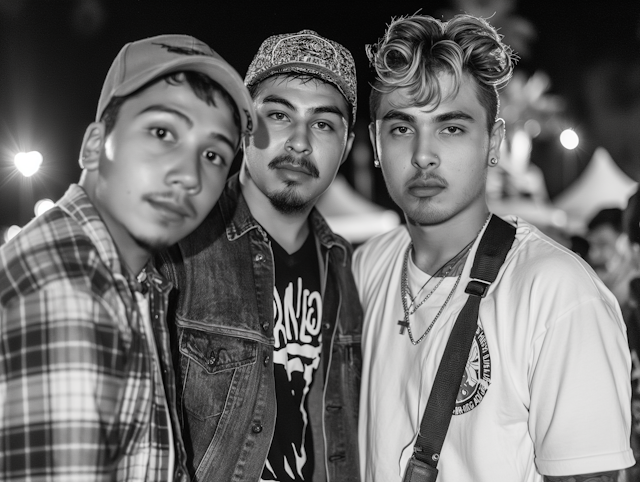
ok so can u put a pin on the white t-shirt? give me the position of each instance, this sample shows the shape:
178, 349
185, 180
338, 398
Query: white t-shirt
546, 389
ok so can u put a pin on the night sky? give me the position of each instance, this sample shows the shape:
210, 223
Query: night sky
54, 55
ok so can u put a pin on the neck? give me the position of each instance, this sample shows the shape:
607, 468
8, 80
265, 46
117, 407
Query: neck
436, 244
133, 256
289, 230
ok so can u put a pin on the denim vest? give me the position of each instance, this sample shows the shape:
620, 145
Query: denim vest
223, 313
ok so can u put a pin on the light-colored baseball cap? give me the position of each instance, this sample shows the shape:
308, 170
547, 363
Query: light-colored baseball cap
306, 52
142, 61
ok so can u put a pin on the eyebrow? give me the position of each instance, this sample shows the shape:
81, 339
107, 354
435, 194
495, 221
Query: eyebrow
445, 117
213, 135
322, 109
397, 115
454, 115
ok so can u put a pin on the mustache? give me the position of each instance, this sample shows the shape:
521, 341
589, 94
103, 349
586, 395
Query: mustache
422, 176
304, 162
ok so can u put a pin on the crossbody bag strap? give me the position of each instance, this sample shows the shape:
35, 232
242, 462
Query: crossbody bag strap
492, 251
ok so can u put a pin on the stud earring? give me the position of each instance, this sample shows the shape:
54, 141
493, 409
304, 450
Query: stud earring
493, 161
376, 163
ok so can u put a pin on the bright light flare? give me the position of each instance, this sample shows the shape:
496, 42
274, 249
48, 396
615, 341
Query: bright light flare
11, 232
28, 163
569, 139
43, 206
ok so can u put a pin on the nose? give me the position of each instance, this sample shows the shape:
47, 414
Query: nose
185, 174
299, 142
425, 154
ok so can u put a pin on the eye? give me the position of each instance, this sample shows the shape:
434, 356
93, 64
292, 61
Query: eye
214, 158
162, 133
452, 130
279, 116
324, 126
401, 130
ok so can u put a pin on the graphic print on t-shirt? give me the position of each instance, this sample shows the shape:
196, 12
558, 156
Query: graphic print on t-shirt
477, 375
297, 325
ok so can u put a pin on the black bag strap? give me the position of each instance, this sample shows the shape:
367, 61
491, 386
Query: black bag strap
492, 251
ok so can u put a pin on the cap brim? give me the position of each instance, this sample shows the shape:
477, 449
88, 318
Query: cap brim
221, 72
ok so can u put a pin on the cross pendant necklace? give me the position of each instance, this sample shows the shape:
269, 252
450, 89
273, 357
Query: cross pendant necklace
405, 292
403, 324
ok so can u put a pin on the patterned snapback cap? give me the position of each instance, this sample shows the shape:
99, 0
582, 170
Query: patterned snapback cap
306, 52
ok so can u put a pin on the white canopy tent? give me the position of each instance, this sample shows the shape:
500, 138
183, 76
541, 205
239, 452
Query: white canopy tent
601, 185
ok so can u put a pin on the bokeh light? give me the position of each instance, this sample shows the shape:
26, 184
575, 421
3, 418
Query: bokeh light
11, 232
569, 139
28, 163
43, 206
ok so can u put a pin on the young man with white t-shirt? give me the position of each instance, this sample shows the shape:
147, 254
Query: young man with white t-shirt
545, 393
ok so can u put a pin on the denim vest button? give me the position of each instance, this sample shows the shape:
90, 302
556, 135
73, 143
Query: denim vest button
259, 258
266, 360
212, 359
257, 428
265, 326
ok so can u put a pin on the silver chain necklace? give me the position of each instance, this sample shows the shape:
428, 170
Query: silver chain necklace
405, 292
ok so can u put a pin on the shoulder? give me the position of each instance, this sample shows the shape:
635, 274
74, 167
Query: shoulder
52, 248
539, 265
375, 261
383, 246
540, 255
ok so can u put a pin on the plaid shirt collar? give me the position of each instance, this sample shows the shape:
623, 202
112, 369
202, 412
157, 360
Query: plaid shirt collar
77, 204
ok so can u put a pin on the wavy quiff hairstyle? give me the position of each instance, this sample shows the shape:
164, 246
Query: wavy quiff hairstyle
417, 48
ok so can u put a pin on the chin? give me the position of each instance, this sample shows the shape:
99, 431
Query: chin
153, 244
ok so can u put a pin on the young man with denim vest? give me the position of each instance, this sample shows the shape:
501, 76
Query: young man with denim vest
267, 315
87, 389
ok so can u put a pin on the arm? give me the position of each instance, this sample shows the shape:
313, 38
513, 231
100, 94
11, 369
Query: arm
60, 379
599, 477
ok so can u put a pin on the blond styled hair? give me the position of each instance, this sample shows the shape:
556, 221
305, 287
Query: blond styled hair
415, 49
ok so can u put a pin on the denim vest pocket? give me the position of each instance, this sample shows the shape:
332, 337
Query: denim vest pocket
217, 365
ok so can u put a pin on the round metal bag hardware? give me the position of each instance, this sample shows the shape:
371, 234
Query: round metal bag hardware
435, 457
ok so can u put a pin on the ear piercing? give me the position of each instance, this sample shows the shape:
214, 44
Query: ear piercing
376, 163
493, 161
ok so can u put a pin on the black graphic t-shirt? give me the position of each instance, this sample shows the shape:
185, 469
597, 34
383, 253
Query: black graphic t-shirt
297, 326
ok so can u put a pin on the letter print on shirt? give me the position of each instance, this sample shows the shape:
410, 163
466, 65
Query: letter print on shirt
477, 375
297, 326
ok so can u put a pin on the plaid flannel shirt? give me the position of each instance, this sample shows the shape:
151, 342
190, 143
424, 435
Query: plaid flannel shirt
81, 395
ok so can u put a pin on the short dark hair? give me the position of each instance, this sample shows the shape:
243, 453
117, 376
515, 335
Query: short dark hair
203, 86
607, 217
417, 48
254, 89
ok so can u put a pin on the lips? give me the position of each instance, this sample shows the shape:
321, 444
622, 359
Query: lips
295, 167
426, 187
171, 207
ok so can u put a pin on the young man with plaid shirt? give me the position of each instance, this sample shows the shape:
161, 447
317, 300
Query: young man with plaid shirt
86, 380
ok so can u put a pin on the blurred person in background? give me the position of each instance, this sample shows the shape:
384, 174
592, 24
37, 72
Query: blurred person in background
611, 254
87, 389
267, 314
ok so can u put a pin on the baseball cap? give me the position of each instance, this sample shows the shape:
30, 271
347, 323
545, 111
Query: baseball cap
306, 52
142, 61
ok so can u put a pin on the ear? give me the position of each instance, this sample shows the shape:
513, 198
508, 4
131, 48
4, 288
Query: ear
347, 148
495, 139
92, 144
